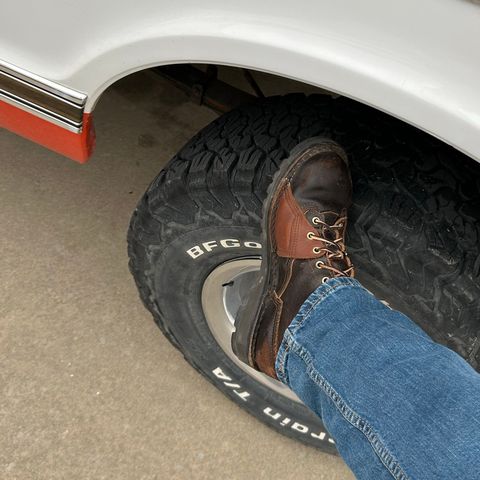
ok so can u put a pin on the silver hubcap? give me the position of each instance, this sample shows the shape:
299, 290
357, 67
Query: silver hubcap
222, 295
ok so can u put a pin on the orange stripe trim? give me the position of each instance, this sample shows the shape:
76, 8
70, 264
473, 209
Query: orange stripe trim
77, 146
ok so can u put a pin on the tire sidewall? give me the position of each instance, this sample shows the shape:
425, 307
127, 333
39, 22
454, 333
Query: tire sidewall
179, 280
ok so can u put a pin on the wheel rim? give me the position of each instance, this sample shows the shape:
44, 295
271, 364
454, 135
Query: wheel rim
222, 294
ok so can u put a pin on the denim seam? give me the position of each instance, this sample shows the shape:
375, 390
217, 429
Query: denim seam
281, 363
352, 417
313, 304
312, 301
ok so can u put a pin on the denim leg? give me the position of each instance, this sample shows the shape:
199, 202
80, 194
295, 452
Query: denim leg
397, 404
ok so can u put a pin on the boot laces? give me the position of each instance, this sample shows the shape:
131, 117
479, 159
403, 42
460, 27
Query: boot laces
331, 249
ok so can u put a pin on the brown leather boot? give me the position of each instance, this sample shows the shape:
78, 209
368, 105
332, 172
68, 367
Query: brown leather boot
304, 220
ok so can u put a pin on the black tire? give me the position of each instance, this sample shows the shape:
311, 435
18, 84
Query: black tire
413, 231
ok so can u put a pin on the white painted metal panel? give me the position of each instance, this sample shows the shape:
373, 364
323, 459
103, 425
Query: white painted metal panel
419, 61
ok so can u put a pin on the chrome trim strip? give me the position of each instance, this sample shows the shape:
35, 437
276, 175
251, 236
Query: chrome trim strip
55, 88
46, 99
24, 105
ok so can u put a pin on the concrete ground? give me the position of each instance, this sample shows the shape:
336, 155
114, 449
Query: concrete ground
89, 387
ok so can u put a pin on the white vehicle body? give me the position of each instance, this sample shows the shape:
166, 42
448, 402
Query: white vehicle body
419, 61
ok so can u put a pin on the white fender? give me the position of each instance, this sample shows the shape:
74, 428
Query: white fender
417, 60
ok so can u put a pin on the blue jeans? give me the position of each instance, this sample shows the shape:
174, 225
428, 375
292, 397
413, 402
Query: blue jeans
397, 404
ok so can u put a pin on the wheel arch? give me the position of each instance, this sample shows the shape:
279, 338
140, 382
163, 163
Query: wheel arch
443, 105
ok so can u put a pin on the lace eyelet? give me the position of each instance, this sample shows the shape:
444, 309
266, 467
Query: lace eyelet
319, 264
316, 221
325, 280
317, 250
310, 235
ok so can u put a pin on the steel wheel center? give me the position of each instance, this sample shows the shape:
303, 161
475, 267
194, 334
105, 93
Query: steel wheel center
222, 295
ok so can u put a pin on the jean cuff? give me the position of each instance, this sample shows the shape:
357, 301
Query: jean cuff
313, 300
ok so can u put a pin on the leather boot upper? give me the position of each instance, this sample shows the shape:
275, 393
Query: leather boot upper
307, 222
